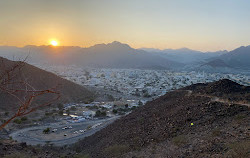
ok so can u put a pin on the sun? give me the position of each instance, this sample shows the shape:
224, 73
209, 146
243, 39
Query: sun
54, 43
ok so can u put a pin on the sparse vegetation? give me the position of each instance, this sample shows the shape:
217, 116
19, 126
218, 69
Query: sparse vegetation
17, 121
60, 106
114, 111
60, 112
6, 113
99, 113
46, 131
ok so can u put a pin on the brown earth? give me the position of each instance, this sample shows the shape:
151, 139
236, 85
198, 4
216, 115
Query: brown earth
42, 80
178, 124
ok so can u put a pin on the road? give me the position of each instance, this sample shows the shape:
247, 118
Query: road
35, 136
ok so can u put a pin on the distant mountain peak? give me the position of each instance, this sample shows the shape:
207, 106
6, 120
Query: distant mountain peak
184, 49
118, 44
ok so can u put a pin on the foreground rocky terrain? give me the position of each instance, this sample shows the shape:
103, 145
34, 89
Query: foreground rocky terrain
196, 121
182, 123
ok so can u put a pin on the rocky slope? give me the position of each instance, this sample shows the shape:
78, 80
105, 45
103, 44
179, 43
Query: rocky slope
42, 80
183, 123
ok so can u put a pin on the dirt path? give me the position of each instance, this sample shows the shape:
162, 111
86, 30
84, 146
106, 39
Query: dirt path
215, 99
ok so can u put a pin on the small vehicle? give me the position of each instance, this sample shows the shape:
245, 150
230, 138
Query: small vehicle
76, 132
65, 135
54, 130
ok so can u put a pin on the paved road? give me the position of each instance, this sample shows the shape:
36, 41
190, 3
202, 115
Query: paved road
34, 135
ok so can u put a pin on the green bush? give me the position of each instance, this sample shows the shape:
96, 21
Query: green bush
114, 111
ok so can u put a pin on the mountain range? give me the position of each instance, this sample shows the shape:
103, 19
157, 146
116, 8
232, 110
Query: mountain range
119, 55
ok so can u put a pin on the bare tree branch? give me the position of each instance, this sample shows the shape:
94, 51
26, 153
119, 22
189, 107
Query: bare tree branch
15, 84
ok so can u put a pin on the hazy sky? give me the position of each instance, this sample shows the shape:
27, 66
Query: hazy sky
197, 24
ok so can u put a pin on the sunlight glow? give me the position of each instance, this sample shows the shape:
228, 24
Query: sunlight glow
54, 43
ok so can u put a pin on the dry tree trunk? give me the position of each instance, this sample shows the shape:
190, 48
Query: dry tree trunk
15, 84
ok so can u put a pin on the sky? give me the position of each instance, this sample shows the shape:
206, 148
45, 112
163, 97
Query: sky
206, 25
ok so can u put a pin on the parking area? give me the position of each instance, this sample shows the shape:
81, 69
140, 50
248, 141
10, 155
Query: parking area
60, 134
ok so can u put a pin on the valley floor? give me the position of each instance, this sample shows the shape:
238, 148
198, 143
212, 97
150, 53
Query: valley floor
62, 136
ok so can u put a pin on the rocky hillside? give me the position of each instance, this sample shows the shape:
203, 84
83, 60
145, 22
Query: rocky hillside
182, 123
225, 89
42, 80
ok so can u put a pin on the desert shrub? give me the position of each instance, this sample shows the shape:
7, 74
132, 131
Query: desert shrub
110, 97
60, 112
179, 140
73, 108
114, 111
99, 113
48, 113
17, 121
3, 121
116, 150
133, 107
140, 103
24, 118
46, 131
60, 106
6, 113
68, 112
89, 127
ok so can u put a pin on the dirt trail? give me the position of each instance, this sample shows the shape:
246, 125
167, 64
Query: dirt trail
216, 99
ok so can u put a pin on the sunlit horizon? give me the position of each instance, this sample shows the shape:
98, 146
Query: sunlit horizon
163, 24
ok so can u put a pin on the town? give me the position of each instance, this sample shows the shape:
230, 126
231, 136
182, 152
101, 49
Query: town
137, 84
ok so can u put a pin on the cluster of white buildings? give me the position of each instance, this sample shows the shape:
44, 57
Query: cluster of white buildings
137, 82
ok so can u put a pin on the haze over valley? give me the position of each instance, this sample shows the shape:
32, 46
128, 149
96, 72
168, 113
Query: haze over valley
124, 79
